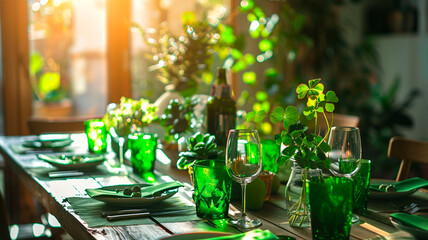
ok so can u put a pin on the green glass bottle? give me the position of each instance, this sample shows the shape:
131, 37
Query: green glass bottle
221, 109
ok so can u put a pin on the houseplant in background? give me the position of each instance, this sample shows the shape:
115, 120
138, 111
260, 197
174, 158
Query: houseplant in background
48, 87
308, 151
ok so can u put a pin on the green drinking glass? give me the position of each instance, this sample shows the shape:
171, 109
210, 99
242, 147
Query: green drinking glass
212, 189
361, 183
270, 152
143, 152
96, 133
330, 201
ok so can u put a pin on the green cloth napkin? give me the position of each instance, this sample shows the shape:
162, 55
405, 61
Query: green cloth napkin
405, 185
90, 211
412, 220
145, 191
254, 235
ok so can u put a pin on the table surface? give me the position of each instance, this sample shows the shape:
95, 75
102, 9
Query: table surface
53, 192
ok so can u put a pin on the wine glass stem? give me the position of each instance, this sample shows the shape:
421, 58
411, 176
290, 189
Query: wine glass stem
244, 198
121, 143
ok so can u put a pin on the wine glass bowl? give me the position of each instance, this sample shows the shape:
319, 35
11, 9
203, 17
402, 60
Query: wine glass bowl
345, 154
243, 164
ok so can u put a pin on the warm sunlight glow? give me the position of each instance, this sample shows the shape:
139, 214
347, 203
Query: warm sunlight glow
35, 6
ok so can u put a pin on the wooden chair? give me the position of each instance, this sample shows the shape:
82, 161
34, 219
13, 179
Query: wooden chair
408, 150
39, 125
339, 120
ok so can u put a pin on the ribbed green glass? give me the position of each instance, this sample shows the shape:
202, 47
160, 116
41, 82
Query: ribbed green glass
330, 200
143, 152
361, 181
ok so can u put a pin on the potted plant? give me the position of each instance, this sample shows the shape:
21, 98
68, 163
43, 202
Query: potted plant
199, 147
307, 150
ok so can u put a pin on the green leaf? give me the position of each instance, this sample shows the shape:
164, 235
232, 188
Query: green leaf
265, 45
286, 140
329, 107
319, 87
314, 82
261, 96
282, 160
249, 78
320, 109
289, 151
311, 115
49, 81
250, 116
292, 115
286, 125
325, 147
313, 93
308, 110
277, 114
260, 115
36, 63
301, 90
331, 97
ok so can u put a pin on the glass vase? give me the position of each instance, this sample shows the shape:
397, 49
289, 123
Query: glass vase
295, 195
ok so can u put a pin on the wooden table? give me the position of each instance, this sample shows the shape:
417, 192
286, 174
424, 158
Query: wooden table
52, 192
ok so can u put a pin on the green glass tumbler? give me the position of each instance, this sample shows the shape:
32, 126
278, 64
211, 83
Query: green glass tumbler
212, 189
143, 152
96, 133
270, 152
361, 183
330, 201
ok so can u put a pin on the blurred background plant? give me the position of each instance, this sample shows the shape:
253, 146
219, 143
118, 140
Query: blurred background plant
298, 41
130, 115
189, 62
179, 118
45, 79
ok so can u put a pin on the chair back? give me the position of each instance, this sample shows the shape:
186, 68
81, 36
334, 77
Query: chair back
40, 125
408, 150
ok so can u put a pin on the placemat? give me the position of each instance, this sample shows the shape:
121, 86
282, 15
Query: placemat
90, 211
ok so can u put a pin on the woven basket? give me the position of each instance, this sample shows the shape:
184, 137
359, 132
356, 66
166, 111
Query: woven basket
267, 177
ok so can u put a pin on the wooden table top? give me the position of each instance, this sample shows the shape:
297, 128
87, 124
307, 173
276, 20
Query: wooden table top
53, 192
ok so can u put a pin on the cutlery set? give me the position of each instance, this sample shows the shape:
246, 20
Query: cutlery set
139, 213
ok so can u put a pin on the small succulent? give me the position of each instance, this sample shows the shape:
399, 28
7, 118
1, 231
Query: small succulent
199, 147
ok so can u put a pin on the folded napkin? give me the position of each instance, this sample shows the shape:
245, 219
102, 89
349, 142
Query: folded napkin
412, 220
403, 186
70, 159
145, 191
254, 234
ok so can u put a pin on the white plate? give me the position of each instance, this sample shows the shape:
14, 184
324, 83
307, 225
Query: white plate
416, 232
135, 201
195, 235
388, 195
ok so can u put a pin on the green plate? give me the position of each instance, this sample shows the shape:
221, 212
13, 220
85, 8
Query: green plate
73, 161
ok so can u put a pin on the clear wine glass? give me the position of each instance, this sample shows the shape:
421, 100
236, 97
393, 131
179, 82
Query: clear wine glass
243, 164
345, 154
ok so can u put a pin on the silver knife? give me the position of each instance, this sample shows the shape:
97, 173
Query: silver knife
144, 214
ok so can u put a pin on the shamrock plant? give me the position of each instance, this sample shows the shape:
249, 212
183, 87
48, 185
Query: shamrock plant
307, 149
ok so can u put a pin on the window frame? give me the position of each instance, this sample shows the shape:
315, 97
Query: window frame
17, 93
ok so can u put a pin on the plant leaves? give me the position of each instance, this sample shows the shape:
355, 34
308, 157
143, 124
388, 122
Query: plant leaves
292, 115
319, 87
301, 90
250, 116
311, 115
314, 82
286, 140
282, 160
329, 107
325, 147
331, 97
260, 115
277, 115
